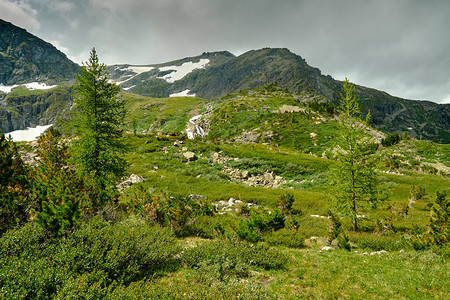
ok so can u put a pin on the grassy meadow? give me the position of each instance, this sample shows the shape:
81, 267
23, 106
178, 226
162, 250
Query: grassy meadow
179, 235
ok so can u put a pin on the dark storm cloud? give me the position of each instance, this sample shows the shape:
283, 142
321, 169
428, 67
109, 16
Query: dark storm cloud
397, 46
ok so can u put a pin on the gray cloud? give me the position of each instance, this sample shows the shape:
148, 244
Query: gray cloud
400, 46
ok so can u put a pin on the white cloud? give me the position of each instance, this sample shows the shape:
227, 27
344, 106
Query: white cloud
19, 13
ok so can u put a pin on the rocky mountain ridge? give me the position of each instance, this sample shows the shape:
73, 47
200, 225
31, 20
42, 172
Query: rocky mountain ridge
212, 75
226, 73
26, 58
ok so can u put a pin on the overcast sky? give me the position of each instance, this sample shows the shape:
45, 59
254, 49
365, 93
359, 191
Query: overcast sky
398, 46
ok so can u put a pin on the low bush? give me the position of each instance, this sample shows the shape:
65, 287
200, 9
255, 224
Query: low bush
94, 258
260, 221
377, 242
233, 258
285, 237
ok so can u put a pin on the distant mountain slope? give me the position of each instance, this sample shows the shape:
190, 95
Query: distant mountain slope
31, 62
225, 73
26, 58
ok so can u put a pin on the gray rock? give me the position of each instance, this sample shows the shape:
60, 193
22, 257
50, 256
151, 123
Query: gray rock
327, 248
190, 156
196, 197
136, 178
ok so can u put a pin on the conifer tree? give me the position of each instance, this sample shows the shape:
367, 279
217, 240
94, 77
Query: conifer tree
98, 116
14, 201
58, 192
355, 178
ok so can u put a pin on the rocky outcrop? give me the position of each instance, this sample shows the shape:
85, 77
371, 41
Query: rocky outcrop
130, 181
227, 74
19, 111
26, 58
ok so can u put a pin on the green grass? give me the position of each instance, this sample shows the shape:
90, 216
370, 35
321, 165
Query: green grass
206, 266
167, 115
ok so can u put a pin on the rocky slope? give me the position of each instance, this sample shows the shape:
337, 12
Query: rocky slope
26, 58
224, 74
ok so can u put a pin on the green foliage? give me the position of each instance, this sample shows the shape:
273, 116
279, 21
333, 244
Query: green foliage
285, 203
417, 193
377, 242
343, 242
168, 210
391, 139
233, 257
437, 235
440, 220
14, 200
285, 237
323, 107
355, 180
88, 263
335, 227
260, 221
58, 192
97, 117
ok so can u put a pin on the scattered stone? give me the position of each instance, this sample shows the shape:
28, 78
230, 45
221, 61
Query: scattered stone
129, 182
327, 248
196, 197
378, 252
190, 156
318, 216
29, 158
184, 149
136, 178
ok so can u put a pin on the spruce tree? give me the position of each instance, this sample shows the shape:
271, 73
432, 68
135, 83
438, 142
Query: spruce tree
354, 179
14, 200
98, 117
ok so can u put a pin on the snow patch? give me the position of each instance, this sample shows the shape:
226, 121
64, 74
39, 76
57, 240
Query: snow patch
138, 69
182, 94
31, 86
180, 71
29, 134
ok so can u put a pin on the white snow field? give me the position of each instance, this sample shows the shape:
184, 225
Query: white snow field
29, 134
136, 70
182, 94
180, 71
31, 86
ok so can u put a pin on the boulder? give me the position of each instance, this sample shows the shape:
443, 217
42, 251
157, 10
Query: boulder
129, 182
196, 197
190, 156
136, 178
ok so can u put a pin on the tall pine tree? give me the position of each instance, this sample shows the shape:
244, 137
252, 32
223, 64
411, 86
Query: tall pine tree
354, 179
98, 116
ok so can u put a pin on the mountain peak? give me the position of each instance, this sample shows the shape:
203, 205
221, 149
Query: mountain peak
26, 58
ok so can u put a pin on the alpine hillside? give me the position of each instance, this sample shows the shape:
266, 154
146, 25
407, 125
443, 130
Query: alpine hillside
30, 71
215, 75
26, 58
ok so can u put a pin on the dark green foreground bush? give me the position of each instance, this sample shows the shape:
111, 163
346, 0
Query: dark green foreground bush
86, 264
233, 257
